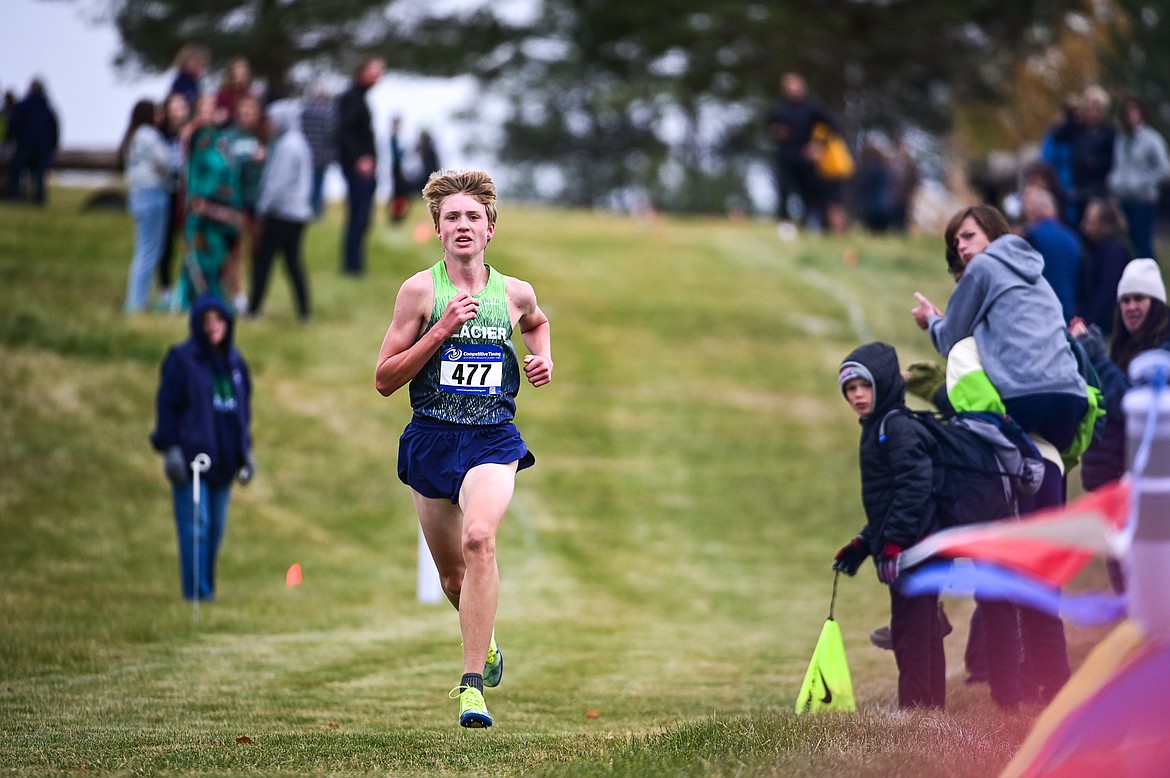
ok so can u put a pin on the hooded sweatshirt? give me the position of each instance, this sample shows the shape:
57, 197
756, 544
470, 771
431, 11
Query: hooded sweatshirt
204, 399
1140, 165
897, 472
287, 184
1005, 303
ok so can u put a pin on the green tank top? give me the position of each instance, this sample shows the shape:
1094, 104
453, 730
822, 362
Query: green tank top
473, 378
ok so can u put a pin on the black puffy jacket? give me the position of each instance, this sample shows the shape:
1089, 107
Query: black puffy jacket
897, 473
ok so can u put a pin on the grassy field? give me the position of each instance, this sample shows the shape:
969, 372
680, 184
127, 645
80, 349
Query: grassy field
665, 566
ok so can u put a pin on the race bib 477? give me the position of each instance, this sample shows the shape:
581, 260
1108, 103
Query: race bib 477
472, 369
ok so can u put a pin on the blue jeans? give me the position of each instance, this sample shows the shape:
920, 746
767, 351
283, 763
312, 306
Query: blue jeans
317, 192
150, 207
359, 196
1141, 217
199, 541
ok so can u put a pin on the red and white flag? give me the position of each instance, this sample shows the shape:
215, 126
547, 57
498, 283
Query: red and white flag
1051, 545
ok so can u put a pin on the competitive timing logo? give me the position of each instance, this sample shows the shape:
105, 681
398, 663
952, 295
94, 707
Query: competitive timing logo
488, 352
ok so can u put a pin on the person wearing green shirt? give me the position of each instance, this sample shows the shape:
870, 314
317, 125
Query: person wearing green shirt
451, 340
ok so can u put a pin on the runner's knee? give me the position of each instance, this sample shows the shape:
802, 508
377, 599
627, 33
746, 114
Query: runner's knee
478, 542
452, 584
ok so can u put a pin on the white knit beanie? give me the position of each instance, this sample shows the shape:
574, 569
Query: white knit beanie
1142, 276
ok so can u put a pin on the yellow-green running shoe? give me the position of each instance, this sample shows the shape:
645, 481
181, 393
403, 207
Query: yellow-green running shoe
493, 668
473, 712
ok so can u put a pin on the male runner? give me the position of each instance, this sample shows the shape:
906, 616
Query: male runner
451, 339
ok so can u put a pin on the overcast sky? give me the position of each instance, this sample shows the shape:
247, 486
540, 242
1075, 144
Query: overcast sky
53, 41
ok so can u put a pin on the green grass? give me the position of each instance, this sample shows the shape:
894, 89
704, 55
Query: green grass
664, 566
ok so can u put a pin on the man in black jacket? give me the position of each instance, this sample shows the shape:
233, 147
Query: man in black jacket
897, 457
35, 134
790, 124
357, 154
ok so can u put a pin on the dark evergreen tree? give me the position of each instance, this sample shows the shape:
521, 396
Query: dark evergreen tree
670, 96
275, 35
667, 97
1138, 60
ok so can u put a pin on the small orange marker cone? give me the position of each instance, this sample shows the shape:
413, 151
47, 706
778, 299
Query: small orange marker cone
293, 576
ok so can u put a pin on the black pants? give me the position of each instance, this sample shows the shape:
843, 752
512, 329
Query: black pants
994, 649
918, 650
166, 257
798, 176
284, 236
1021, 650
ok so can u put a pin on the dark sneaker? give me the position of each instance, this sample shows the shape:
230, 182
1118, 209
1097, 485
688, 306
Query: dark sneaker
881, 638
944, 622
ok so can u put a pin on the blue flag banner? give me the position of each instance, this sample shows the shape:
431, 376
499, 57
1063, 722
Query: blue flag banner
995, 583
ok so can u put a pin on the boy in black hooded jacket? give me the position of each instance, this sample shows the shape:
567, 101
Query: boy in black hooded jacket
897, 478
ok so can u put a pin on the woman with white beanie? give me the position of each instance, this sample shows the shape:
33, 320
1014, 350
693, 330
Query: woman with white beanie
1141, 322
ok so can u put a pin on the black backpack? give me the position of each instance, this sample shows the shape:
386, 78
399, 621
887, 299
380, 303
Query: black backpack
985, 464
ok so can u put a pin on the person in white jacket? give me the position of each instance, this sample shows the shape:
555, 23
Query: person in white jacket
284, 207
147, 160
1140, 166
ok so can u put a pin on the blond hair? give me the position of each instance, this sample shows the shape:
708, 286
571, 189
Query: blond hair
474, 183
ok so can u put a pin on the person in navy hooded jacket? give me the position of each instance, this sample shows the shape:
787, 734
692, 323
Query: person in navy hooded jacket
204, 407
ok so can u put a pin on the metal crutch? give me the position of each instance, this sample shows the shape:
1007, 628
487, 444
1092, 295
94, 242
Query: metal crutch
200, 464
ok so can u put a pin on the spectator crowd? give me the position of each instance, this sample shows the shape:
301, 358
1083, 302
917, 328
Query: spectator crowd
1088, 202
223, 177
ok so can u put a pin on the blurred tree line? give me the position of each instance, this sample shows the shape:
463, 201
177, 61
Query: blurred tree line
668, 97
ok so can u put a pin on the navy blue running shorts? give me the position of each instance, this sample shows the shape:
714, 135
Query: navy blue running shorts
434, 456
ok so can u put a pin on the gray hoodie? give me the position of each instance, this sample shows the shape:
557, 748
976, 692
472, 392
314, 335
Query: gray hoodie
287, 183
1004, 301
1140, 165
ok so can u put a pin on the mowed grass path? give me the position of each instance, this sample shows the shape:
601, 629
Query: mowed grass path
665, 566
